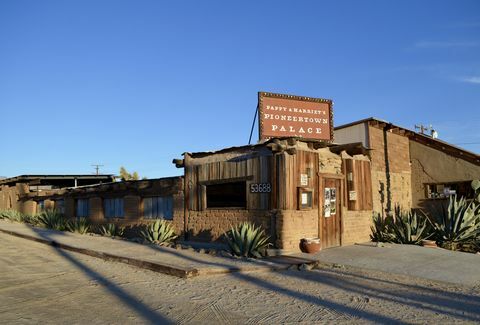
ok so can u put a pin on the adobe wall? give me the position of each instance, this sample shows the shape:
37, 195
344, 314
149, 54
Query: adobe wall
356, 226
433, 166
293, 225
211, 224
8, 197
399, 169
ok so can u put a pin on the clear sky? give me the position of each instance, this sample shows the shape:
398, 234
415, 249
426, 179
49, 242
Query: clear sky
137, 83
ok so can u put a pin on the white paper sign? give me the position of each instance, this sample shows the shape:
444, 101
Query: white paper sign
304, 198
352, 195
326, 203
303, 179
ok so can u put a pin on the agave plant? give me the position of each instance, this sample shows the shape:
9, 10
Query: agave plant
159, 232
12, 215
52, 219
80, 225
381, 229
247, 240
458, 223
476, 189
31, 219
111, 230
409, 227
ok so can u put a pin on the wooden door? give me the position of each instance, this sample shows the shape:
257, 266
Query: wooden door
330, 212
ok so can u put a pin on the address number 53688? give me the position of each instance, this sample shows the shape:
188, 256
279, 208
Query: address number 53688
260, 188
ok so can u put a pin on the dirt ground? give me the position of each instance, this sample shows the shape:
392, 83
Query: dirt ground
40, 284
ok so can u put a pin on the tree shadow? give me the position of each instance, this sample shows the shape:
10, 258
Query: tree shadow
436, 302
442, 302
148, 314
324, 303
451, 295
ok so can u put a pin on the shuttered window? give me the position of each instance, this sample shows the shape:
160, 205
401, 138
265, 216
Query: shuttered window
113, 208
82, 208
158, 207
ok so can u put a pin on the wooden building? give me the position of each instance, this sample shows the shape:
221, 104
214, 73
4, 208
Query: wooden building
293, 188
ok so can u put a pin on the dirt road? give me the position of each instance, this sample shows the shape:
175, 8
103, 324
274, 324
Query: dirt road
40, 284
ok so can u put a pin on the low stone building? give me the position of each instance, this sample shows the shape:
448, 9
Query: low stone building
24, 193
411, 169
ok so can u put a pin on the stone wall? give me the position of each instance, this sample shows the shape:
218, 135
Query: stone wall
293, 225
211, 224
355, 226
398, 187
8, 197
433, 166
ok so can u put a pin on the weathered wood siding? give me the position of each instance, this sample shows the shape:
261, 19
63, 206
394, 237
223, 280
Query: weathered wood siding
358, 179
250, 168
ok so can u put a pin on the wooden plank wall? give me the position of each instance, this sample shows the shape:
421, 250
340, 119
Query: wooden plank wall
290, 167
360, 181
252, 169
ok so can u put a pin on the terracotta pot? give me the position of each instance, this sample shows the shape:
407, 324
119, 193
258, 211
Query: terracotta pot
310, 245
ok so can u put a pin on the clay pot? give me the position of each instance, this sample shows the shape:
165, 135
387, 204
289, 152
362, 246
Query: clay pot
310, 245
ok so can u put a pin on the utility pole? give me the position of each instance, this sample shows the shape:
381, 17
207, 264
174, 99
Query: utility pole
97, 168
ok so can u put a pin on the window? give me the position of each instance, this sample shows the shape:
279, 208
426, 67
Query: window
113, 208
227, 195
40, 206
60, 206
83, 208
444, 190
158, 207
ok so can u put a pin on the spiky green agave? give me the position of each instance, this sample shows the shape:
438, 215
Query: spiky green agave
408, 227
381, 229
111, 230
159, 232
52, 219
247, 240
459, 222
80, 225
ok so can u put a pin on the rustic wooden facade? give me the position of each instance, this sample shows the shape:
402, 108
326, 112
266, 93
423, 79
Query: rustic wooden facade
284, 181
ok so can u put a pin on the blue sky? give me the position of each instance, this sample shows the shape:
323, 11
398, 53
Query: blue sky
137, 83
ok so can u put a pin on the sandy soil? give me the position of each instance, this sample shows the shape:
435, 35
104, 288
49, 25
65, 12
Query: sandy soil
39, 284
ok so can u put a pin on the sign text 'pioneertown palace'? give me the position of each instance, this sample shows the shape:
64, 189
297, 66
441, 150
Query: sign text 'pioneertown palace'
294, 116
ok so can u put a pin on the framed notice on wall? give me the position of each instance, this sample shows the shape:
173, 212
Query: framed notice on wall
282, 115
305, 198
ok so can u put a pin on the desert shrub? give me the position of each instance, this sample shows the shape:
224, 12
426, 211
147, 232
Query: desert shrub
52, 219
159, 232
111, 230
458, 223
408, 227
247, 240
381, 229
12, 215
80, 225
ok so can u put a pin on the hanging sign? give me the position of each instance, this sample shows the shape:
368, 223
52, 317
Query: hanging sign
294, 116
